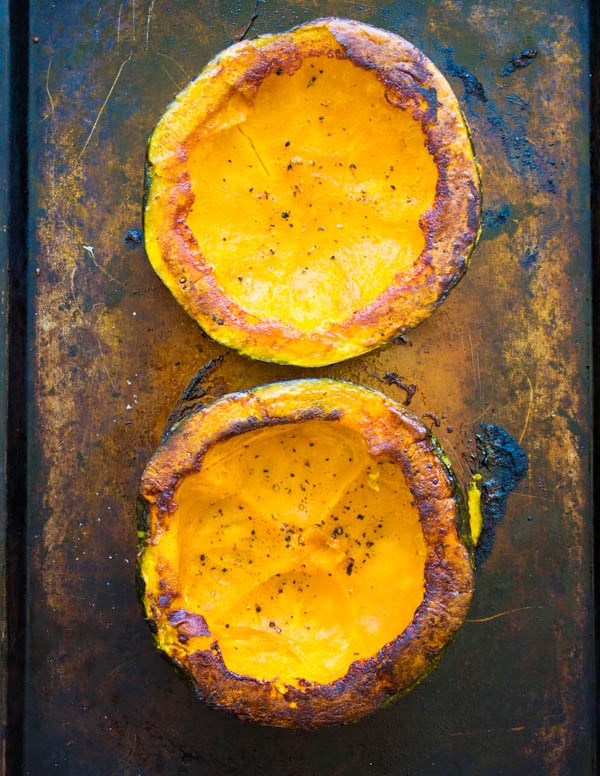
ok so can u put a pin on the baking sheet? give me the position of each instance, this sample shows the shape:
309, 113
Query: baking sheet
111, 352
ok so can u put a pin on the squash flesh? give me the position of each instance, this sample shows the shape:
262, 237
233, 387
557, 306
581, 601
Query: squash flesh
307, 200
301, 555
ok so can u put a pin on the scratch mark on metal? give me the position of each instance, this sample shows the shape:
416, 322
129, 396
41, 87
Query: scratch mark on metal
200, 32
515, 729
482, 414
253, 18
503, 614
150, 9
452, 325
115, 671
131, 751
48, 92
520, 102
476, 369
119, 22
73, 294
133, 18
175, 62
105, 366
472, 351
169, 76
529, 406
529, 495
89, 249
103, 106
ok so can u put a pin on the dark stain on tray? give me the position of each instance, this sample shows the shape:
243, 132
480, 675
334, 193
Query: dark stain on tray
524, 59
392, 378
502, 462
473, 86
134, 238
195, 393
496, 219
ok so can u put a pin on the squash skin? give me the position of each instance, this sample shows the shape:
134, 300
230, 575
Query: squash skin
451, 226
398, 665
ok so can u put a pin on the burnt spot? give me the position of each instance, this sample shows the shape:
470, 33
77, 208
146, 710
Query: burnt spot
318, 414
528, 158
134, 238
436, 421
524, 59
361, 52
242, 427
194, 393
529, 260
392, 378
472, 85
167, 596
497, 219
429, 96
251, 423
188, 624
502, 463
249, 23
403, 88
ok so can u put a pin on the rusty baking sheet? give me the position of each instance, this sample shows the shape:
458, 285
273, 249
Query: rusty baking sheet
111, 352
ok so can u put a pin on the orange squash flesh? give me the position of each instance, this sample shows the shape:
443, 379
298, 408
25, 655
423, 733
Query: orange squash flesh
312, 194
307, 203
296, 537
303, 557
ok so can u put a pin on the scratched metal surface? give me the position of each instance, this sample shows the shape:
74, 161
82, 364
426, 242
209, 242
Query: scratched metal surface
112, 351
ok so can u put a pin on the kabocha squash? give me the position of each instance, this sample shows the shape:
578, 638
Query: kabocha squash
305, 557
312, 194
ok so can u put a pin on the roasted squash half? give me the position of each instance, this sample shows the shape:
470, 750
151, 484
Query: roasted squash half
305, 556
312, 194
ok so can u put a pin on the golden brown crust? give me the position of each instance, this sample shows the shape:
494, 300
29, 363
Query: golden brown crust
450, 227
388, 430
